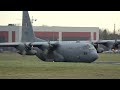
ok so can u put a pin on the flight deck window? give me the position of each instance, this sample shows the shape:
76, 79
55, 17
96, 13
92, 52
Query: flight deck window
85, 53
88, 46
91, 46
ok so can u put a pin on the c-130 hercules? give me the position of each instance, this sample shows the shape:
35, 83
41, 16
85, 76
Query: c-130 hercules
64, 51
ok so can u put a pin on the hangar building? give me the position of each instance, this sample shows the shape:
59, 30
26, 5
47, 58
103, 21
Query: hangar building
13, 33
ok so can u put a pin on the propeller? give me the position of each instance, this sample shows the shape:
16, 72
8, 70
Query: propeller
28, 46
115, 45
99, 50
49, 44
26, 49
23, 53
48, 49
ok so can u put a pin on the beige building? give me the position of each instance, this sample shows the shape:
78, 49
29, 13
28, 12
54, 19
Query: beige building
13, 33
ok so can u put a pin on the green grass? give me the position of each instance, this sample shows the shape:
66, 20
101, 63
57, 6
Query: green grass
109, 57
15, 66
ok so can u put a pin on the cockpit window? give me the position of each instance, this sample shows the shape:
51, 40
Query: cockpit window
91, 46
88, 46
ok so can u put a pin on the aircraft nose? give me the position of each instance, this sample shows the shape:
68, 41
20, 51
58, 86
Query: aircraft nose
94, 56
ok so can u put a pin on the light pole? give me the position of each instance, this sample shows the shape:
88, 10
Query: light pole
32, 20
118, 33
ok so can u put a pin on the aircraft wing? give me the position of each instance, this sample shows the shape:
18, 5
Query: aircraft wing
108, 43
9, 44
101, 42
35, 44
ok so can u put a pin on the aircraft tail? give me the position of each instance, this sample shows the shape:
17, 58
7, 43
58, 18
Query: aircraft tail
27, 29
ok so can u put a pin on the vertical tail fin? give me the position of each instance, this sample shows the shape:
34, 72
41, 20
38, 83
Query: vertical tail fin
27, 29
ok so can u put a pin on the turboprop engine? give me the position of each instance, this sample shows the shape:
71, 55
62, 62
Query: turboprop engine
99, 50
26, 49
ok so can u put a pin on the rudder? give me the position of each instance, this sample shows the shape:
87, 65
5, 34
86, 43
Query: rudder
27, 29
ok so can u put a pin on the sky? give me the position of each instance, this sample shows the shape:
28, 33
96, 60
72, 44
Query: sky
101, 19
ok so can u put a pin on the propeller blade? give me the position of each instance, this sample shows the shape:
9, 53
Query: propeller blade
23, 53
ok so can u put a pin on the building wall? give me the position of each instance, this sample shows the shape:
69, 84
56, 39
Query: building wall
73, 36
75, 33
13, 36
13, 33
52, 36
4, 36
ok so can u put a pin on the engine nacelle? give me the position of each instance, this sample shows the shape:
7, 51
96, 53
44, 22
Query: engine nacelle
100, 50
24, 49
31, 52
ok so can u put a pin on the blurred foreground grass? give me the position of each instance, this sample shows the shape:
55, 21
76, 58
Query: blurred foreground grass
15, 66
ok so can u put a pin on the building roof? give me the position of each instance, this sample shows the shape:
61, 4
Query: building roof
53, 28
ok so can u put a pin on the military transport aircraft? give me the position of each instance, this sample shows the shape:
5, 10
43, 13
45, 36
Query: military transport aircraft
29, 36
67, 51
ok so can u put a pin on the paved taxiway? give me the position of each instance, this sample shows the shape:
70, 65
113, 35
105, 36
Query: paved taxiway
117, 63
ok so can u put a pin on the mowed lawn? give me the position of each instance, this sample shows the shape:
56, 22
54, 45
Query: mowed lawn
15, 66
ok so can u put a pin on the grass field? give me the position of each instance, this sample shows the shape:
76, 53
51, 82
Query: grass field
15, 66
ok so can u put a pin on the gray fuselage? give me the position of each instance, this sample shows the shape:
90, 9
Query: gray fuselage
65, 51
70, 52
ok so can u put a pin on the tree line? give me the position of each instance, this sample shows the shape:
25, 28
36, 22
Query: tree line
107, 35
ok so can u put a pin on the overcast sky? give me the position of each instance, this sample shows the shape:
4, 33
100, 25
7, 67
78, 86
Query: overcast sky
101, 19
